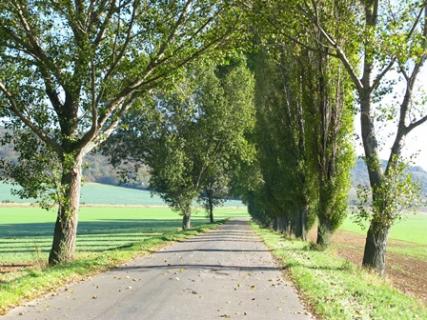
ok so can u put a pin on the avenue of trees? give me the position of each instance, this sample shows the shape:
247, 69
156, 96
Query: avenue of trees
70, 70
192, 136
252, 99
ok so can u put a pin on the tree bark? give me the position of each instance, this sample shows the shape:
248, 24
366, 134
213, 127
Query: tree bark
300, 223
275, 224
324, 233
64, 238
210, 205
280, 224
303, 217
375, 247
186, 220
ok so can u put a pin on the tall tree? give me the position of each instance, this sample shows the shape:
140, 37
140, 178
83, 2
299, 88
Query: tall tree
310, 103
331, 124
191, 134
70, 70
392, 44
282, 138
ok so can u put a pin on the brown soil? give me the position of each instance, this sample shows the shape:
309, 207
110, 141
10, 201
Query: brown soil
6, 268
408, 274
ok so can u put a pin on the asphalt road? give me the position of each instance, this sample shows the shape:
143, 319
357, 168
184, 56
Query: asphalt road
227, 273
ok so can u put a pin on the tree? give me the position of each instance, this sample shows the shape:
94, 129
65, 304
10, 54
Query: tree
392, 41
305, 119
70, 70
190, 134
331, 125
281, 139
214, 192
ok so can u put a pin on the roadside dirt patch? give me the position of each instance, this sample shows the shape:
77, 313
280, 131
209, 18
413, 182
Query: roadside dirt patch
9, 272
6, 268
408, 274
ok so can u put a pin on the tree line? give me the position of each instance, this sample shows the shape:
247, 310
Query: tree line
251, 98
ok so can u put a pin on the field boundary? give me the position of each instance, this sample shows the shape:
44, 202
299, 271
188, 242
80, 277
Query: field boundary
106, 205
42, 281
335, 288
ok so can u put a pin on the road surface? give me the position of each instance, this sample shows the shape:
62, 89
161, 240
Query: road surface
227, 273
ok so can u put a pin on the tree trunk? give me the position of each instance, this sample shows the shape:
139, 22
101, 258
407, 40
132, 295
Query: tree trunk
300, 223
283, 224
303, 217
64, 237
375, 247
186, 220
211, 215
275, 224
279, 224
376, 239
324, 233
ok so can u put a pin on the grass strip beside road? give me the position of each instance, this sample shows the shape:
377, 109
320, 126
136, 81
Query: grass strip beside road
39, 281
336, 288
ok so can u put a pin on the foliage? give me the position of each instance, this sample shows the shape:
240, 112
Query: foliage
192, 134
70, 71
304, 120
69, 85
397, 194
390, 39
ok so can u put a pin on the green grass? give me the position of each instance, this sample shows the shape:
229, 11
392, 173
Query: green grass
26, 232
96, 193
107, 236
408, 236
336, 288
411, 228
37, 281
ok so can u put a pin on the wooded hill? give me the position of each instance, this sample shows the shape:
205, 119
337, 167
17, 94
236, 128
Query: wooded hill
98, 169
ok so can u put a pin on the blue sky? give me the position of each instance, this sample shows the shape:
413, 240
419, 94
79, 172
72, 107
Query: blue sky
416, 141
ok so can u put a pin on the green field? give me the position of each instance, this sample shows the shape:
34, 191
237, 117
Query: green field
26, 232
408, 235
96, 193
411, 228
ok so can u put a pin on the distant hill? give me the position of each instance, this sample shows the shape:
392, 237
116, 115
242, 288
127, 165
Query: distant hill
96, 168
359, 175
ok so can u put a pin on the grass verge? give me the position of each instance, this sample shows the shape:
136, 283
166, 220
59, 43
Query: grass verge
337, 289
39, 281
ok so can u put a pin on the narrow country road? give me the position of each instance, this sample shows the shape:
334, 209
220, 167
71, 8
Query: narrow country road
227, 273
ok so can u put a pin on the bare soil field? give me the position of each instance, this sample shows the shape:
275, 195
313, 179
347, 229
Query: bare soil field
408, 274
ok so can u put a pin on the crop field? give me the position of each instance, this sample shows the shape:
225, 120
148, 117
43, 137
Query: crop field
26, 232
406, 251
110, 217
411, 227
96, 193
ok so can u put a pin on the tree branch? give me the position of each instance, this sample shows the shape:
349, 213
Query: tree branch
38, 131
339, 51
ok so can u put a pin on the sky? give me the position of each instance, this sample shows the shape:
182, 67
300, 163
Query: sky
415, 142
